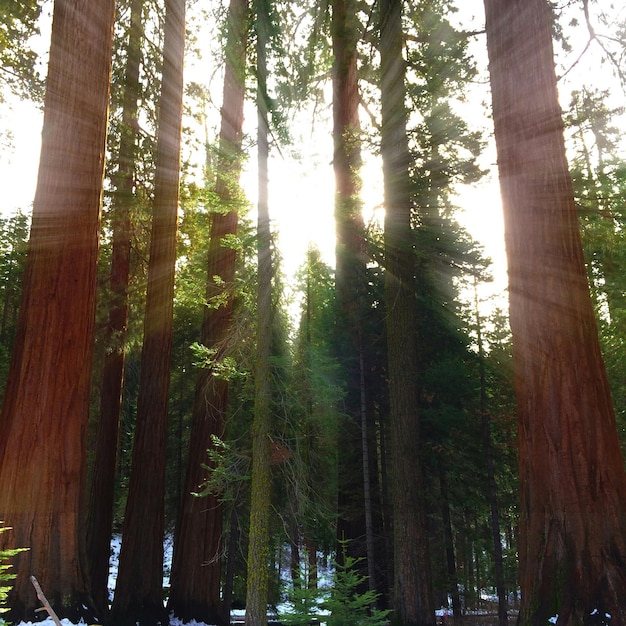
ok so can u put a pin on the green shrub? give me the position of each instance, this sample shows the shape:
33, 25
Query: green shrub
5, 576
340, 604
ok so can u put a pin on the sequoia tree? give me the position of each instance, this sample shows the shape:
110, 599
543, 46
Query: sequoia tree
139, 589
573, 486
195, 590
44, 416
101, 495
354, 515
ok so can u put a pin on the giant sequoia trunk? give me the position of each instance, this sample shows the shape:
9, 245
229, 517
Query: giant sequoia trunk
44, 416
138, 593
101, 496
196, 571
413, 602
350, 280
573, 487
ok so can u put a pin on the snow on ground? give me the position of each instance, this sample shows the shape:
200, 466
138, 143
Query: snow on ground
115, 551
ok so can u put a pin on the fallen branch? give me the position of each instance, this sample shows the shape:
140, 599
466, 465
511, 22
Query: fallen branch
44, 601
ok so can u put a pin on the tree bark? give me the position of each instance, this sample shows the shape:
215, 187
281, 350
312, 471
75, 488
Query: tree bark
573, 486
413, 601
44, 415
257, 587
101, 497
349, 280
196, 569
139, 590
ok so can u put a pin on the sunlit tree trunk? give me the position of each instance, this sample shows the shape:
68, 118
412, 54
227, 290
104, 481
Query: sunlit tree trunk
44, 415
139, 589
196, 570
573, 486
257, 588
413, 601
101, 497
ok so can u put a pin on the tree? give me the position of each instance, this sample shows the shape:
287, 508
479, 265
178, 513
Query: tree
354, 515
572, 481
413, 602
195, 577
257, 589
101, 495
138, 592
44, 415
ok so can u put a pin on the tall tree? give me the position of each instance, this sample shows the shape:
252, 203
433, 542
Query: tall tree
101, 495
44, 415
354, 518
195, 576
413, 602
573, 485
139, 589
257, 589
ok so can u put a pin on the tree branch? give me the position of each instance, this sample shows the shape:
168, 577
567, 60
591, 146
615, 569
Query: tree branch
44, 601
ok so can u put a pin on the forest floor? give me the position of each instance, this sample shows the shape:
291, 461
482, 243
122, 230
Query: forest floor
486, 617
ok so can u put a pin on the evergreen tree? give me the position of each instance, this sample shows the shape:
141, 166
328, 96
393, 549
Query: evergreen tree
46, 403
572, 479
138, 592
102, 491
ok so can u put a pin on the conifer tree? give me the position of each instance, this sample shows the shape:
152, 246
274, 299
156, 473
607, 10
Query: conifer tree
44, 415
138, 593
196, 570
572, 480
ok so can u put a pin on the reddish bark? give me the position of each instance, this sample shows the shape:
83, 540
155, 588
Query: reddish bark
101, 497
44, 416
349, 276
139, 589
573, 486
196, 568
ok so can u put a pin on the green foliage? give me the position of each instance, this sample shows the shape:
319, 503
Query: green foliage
341, 603
5, 575
13, 244
18, 62
227, 469
347, 606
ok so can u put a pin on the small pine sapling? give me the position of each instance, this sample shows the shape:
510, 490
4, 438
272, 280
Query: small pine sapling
347, 606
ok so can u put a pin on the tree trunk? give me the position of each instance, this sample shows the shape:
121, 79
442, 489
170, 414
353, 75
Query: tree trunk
349, 277
44, 415
412, 585
573, 486
101, 497
453, 582
139, 590
492, 496
196, 570
257, 589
